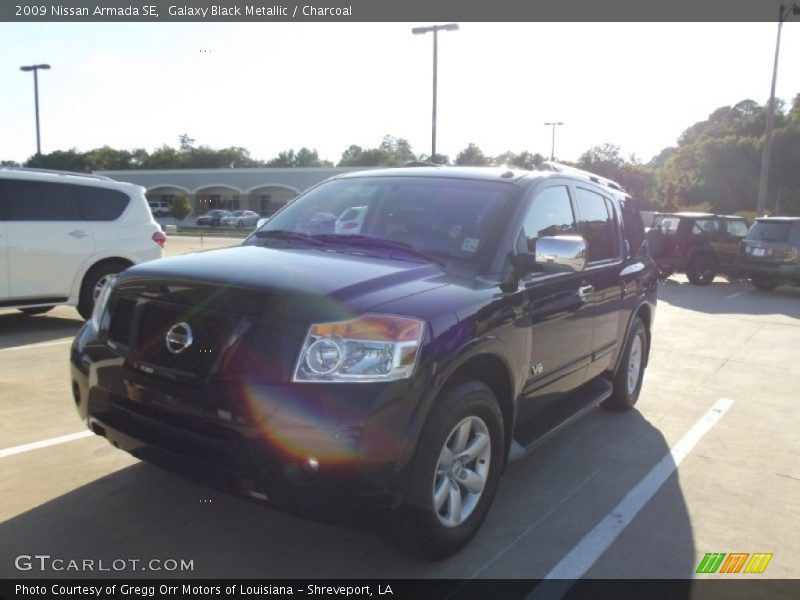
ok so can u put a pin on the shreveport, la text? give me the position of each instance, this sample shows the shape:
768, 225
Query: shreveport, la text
149, 591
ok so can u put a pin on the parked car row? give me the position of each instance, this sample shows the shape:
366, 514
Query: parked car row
226, 218
704, 245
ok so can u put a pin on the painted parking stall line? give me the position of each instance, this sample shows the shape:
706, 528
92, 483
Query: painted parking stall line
6, 452
581, 558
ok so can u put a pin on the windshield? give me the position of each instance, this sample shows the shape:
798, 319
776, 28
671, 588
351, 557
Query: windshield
766, 231
434, 216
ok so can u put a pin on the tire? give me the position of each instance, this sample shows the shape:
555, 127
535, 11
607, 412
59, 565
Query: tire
628, 378
93, 284
35, 310
702, 269
437, 525
764, 283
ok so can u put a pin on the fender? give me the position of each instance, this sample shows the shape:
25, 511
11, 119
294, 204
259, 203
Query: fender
483, 346
91, 261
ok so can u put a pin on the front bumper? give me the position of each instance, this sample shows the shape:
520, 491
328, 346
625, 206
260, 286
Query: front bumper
313, 449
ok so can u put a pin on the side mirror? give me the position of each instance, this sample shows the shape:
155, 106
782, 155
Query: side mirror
557, 254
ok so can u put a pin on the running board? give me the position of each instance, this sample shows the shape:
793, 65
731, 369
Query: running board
543, 426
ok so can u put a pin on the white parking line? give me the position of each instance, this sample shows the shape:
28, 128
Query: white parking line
737, 294
67, 340
44, 443
581, 558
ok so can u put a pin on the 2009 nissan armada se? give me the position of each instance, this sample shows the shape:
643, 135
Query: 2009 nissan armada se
393, 366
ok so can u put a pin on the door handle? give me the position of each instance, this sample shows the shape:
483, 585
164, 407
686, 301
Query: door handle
78, 234
585, 291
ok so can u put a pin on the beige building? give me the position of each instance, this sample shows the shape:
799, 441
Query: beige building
261, 190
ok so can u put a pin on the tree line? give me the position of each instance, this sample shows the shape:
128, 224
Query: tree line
715, 166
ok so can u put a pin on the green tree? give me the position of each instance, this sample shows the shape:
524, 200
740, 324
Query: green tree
62, 160
180, 207
522, 160
9, 163
472, 155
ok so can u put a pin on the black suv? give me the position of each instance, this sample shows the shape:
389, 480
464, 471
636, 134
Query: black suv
770, 254
699, 244
469, 315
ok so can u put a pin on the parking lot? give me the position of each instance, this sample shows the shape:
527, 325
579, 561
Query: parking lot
706, 463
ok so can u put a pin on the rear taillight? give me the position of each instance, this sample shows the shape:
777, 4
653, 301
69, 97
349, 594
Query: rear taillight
790, 254
160, 238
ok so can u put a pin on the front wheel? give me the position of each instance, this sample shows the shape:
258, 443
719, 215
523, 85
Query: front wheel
93, 283
454, 475
702, 269
628, 378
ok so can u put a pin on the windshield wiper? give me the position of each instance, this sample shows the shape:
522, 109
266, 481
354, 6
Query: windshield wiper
366, 241
280, 234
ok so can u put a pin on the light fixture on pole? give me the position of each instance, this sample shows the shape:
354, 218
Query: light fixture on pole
763, 181
553, 143
35, 69
435, 29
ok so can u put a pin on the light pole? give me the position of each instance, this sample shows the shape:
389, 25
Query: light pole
783, 14
553, 143
35, 69
435, 29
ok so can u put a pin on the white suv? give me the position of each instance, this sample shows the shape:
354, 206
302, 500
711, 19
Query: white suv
63, 235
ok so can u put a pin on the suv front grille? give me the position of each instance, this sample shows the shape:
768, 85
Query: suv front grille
141, 328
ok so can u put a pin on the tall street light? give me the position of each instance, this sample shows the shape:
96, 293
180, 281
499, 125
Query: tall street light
783, 14
553, 143
35, 69
435, 29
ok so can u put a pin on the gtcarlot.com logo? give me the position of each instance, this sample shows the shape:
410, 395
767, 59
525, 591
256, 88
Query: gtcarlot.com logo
734, 562
45, 562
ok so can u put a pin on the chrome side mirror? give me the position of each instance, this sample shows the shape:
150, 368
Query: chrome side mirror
561, 254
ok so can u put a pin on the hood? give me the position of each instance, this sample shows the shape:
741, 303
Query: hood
294, 284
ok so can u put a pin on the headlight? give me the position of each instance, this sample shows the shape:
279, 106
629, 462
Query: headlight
369, 348
100, 304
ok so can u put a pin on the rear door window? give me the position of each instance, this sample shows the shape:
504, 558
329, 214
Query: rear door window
100, 204
597, 225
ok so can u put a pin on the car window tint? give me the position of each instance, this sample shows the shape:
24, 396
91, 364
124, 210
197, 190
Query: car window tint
708, 227
597, 226
770, 231
550, 214
39, 201
736, 228
669, 225
100, 204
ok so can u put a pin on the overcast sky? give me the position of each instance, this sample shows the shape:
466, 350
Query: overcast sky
270, 87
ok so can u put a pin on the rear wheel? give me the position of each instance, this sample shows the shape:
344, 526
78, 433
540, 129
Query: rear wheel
702, 269
93, 283
35, 310
764, 283
455, 473
628, 378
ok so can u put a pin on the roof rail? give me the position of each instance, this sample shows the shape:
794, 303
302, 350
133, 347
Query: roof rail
57, 172
550, 165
